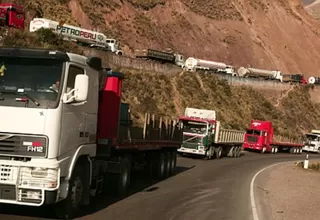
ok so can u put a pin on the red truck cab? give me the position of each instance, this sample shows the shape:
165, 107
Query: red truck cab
12, 15
259, 136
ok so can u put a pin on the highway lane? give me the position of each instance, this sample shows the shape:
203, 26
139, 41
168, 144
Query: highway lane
201, 190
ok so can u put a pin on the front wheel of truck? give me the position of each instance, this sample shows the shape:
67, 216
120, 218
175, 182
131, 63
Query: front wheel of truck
70, 207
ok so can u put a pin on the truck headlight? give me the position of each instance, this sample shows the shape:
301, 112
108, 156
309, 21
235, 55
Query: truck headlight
38, 177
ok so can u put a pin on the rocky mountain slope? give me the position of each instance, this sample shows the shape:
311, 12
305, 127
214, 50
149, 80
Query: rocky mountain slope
272, 34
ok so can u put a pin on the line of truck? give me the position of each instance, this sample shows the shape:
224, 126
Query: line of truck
12, 15
78, 140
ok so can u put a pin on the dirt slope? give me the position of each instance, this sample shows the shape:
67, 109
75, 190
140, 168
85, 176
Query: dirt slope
273, 34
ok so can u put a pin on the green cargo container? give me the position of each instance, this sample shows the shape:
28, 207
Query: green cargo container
124, 114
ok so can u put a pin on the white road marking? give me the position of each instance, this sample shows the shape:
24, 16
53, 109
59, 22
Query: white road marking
253, 202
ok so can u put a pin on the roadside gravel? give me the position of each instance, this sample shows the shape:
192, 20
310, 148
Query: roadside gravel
288, 192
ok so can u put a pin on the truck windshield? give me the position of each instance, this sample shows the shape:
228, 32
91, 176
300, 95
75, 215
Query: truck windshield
195, 127
254, 132
311, 137
31, 79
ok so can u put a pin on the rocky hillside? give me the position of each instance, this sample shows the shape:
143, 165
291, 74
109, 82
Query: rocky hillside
272, 34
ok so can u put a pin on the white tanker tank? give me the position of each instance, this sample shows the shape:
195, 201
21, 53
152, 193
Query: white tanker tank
247, 72
192, 64
72, 33
314, 80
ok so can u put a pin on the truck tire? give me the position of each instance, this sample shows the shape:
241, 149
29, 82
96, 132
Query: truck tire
159, 167
210, 153
173, 162
263, 150
123, 178
168, 164
118, 183
235, 152
231, 151
70, 207
272, 150
218, 152
238, 152
275, 150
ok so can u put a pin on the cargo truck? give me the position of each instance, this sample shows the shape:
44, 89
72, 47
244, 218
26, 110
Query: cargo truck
204, 136
61, 144
312, 143
260, 137
162, 56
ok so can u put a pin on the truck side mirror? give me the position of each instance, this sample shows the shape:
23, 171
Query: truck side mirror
80, 91
81, 87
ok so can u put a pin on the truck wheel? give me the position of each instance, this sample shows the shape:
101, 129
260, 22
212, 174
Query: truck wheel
123, 178
264, 149
218, 152
70, 207
160, 166
210, 153
275, 150
173, 162
168, 163
235, 152
238, 151
272, 150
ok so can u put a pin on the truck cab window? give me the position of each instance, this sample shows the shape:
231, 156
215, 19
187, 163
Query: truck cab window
73, 72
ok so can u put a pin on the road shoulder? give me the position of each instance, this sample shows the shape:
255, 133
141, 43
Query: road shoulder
286, 191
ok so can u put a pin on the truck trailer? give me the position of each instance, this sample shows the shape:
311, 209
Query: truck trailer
204, 136
193, 64
62, 143
82, 36
162, 56
259, 73
260, 137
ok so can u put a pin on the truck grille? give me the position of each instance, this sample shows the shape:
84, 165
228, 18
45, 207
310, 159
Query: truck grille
252, 139
22, 145
8, 174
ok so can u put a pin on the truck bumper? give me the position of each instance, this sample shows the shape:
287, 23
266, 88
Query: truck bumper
191, 151
310, 149
28, 185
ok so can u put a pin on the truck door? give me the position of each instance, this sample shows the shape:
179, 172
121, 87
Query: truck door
73, 122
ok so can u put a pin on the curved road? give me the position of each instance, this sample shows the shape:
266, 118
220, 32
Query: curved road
200, 190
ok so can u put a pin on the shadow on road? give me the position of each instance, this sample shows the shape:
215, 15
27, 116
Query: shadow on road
139, 182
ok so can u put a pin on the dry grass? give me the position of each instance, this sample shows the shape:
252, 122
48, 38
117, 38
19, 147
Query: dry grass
217, 10
52, 9
146, 4
235, 106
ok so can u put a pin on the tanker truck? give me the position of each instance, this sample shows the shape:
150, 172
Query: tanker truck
314, 80
82, 36
73, 142
192, 64
259, 73
204, 136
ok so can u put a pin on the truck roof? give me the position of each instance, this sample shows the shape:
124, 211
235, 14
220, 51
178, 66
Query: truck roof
93, 62
186, 118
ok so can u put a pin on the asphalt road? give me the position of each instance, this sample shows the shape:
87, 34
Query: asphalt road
218, 189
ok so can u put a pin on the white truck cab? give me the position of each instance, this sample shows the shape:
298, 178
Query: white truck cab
312, 143
45, 129
114, 46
